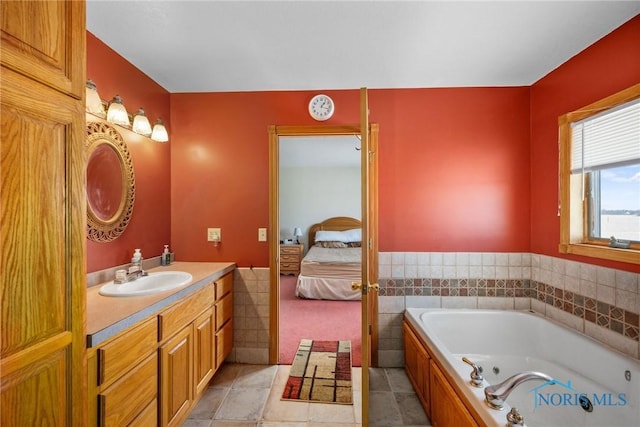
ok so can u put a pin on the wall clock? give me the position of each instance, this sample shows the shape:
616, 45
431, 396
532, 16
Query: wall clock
321, 107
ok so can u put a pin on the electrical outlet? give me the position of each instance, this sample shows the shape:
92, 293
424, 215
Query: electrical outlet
214, 235
262, 234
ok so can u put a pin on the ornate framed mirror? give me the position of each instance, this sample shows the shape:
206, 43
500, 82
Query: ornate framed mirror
110, 183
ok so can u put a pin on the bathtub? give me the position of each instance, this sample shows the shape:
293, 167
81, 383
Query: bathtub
504, 343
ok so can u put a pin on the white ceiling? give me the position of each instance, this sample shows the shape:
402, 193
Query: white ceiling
214, 46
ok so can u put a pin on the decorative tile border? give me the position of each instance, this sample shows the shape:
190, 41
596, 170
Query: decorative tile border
455, 287
605, 315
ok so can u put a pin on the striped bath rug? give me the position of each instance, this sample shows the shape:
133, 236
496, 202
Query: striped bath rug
321, 372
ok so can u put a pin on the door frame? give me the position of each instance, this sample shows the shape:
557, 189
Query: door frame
275, 132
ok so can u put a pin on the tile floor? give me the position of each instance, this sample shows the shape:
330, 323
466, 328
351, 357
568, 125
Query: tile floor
249, 396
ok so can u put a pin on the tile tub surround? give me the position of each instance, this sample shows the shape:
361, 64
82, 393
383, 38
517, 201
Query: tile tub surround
600, 302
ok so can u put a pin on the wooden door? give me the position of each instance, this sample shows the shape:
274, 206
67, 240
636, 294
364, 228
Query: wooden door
176, 377
369, 187
42, 214
45, 41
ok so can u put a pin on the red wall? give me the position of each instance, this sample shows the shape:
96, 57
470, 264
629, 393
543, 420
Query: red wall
461, 169
220, 167
454, 168
149, 228
606, 67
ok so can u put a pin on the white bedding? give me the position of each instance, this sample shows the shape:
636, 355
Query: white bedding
327, 273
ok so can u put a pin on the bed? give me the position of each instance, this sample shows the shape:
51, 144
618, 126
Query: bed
332, 263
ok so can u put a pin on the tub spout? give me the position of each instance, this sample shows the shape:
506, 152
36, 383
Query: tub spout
495, 395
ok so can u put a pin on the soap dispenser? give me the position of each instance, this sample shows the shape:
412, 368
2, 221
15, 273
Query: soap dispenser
166, 256
137, 257
136, 261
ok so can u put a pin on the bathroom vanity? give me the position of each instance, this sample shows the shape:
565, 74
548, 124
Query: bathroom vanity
151, 357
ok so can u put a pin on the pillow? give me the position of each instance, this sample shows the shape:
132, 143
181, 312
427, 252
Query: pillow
354, 244
328, 244
353, 235
329, 236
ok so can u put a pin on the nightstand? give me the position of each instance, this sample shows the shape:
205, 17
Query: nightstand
290, 257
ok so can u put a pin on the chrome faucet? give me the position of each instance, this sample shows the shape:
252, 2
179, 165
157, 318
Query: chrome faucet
132, 273
476, 374
514, 418
495, 395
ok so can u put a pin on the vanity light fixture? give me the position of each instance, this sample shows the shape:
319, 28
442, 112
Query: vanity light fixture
159, 133
93, 103
141, 123
116, 113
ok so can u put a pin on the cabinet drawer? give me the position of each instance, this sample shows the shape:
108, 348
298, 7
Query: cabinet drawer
148, 416
175, 318
224, 310
129, 396
224, 343
224, 285
125, 351
293, 249
289, 258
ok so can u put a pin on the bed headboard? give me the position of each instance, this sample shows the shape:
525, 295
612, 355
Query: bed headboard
337, 223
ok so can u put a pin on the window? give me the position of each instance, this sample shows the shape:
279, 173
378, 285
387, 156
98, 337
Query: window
600, 178
614, 200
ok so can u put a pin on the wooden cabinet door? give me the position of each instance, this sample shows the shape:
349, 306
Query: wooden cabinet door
204, 349
176, 377
424, 390
45, 40
42, 273
447, 409
417, 366
410, 355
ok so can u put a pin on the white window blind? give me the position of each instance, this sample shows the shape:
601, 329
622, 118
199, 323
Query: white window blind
605, 140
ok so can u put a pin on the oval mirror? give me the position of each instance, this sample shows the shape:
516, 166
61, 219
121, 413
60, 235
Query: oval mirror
110, 183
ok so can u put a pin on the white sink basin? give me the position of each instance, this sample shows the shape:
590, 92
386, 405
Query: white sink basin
147, 285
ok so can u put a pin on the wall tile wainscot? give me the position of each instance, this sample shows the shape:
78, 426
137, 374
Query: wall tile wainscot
600, 302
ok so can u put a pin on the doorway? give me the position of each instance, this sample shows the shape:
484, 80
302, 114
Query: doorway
275, 132
319, 183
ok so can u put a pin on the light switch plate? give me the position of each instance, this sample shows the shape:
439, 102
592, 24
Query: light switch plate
262, 234
214, 235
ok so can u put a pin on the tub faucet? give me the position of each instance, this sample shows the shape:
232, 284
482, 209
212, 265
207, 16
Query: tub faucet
514, 418
495, 395
476, 374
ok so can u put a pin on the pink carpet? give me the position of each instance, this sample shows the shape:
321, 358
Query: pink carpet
316, 320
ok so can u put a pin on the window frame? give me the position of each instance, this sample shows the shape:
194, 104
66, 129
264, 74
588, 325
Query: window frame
573, 208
